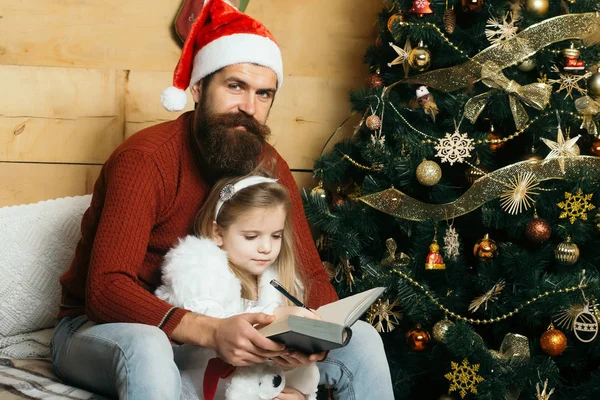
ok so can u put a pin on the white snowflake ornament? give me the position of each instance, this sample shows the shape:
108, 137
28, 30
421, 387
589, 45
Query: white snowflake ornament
454, 148
451, 243
501, 30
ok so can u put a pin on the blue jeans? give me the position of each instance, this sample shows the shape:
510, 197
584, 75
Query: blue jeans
135, 361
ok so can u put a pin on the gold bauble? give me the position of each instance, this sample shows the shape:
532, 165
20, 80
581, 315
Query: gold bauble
593, 85
373, 122
527, 65
419, 58
472, 174
597, 220
486, 248
537, 7
440, 329
428, 173
446, 397
394, 19
567, 252
553, 342
418, 339
496, 144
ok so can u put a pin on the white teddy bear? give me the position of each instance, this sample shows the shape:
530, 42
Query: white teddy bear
265, 381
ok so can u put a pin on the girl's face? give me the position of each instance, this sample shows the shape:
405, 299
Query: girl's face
253, 241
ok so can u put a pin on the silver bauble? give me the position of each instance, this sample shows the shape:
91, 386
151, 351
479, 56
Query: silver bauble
440, 329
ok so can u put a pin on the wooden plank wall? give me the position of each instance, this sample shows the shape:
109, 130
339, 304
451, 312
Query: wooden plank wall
78, 77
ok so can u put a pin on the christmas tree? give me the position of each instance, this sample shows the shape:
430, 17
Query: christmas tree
469, 188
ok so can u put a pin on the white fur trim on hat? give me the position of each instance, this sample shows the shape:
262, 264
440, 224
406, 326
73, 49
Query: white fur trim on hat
173, 99
235, 49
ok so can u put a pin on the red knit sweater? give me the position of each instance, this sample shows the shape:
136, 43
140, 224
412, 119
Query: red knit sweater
146, 197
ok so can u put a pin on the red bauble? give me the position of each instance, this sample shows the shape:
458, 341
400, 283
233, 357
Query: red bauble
538, 230
373, 122
421, 7
374, 81
472, 5
553, 342
418, 339
394, 19
595, 149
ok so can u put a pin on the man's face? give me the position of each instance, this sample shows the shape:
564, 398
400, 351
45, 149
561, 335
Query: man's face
231, 114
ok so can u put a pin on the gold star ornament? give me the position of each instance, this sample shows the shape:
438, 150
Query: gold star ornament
519, 193
383, 317
542, 395
402, 55
562, 148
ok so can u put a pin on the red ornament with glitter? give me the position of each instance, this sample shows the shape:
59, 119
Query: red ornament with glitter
421, 7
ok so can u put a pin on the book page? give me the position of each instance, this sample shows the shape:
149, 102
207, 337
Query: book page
346, 311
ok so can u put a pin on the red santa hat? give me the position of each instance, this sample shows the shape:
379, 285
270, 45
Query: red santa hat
221, 36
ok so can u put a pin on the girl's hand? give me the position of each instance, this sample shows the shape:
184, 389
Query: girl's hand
289, 393
283, 311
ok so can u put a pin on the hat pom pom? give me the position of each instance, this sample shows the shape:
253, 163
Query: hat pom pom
173, 99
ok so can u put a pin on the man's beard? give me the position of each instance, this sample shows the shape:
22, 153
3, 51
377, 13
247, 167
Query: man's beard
228, 151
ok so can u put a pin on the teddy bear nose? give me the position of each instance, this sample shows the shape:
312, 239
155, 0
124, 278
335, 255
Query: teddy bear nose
276, 381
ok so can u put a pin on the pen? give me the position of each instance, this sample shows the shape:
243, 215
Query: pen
287, 294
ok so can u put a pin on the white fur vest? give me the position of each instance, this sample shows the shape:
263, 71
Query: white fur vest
196, 276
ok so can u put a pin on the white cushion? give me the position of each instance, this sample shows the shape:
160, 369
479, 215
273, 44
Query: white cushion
37, 244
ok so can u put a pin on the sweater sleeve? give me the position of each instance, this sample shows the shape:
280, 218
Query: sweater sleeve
319, 290
134, 189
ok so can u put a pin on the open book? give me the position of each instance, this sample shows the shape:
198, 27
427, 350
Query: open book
314, 336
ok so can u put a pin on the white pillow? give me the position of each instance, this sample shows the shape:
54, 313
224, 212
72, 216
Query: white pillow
37, 244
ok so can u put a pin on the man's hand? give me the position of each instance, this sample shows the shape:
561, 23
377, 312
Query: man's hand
296, 359
235, 339
289, 393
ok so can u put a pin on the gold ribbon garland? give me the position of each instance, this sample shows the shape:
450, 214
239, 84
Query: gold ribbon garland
536, 95
490, 186
513, 346
588, 108
510, 51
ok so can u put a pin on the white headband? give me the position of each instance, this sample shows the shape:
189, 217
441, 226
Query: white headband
230, 190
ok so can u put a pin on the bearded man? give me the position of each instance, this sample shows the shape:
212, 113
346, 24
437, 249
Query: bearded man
113, 336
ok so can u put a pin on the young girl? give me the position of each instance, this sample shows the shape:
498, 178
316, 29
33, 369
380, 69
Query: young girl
243, 241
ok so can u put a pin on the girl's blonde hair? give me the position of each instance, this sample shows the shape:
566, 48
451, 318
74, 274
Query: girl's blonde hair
262, 195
